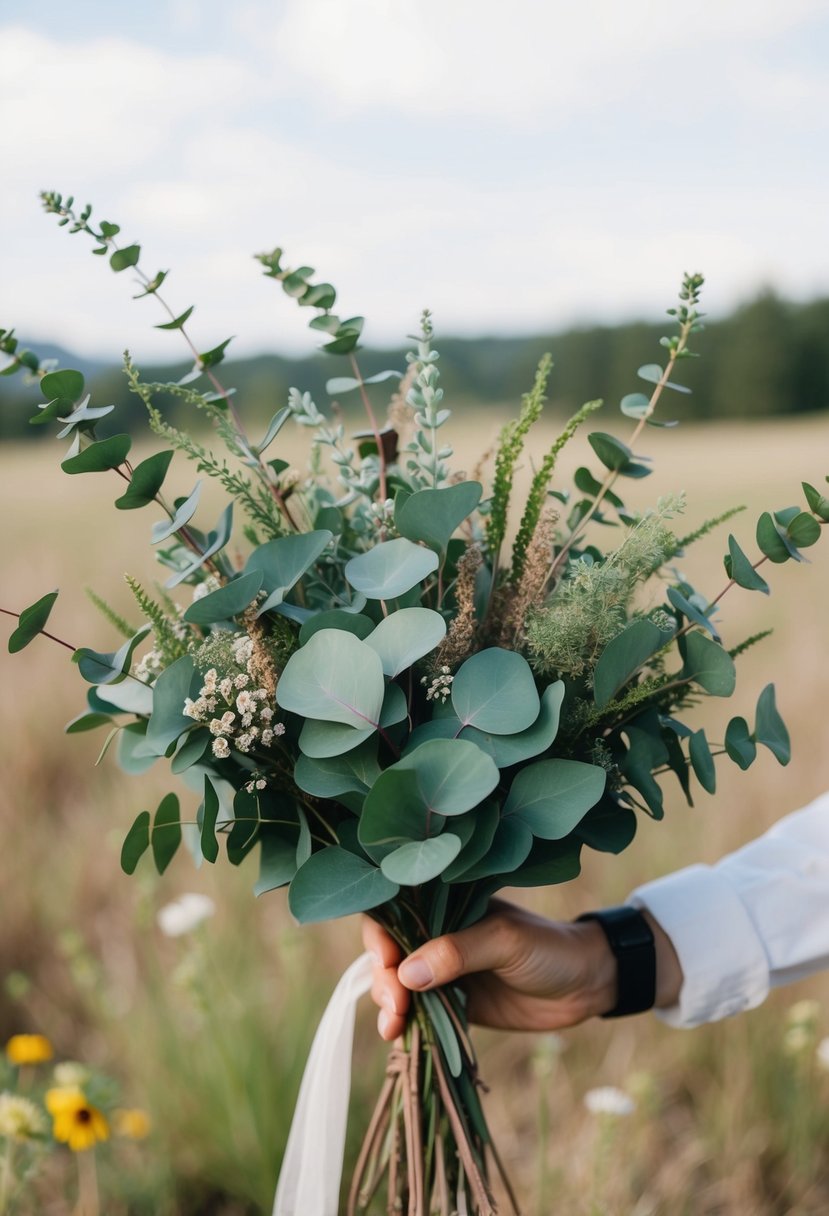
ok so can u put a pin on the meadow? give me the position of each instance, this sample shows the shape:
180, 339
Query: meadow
208, 1032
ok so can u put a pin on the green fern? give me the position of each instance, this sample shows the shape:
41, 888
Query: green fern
171, 636
742, 647
710, 524
115, 619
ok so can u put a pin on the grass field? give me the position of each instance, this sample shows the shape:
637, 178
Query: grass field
209, 1033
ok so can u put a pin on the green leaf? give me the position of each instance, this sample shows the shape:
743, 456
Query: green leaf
85, 722
192, 748
122, 259
818, 503
607, 827
210, 813
690, 610
170, 691
635, 405
321, 740
227, 602
166, 832
702, 761
335, 677
445, 1032
284, 561
584, 480
136, 843
770, 540
100, 456
510, 847
432, 516
185, 510
81, 419
321, 295
108, 668
769, 727
394, 813
494, 690
405, 636
340, 385
179, 322
213, 542
552, 796
274, 427
708, 664
451, 775
354, 772
277, 861
507, 750
31, 622
623, 656
210, 358
390, 568
739, 744
421, 860
652, 373
133, 756
334, 882
337, 618
146, 480
66, 384
476, 829
738, 567
804, 530
646, 751
611, 451
548, 863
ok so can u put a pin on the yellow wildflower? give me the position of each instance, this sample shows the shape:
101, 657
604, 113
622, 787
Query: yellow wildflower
28, 1049
74, 1121
20, 1119
133, 1124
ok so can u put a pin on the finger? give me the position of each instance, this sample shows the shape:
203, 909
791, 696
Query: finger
483, 947
390, 1025
379, 943
388, 992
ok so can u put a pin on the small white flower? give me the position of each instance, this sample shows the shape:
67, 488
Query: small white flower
261, 784
221, 748
241, 681
608, 1100
279, 729
216, 727
244, 743
71, 1074
185, 914
190, 709
226, 688
822, 1053
20, 1119
267, 737
228, 719
244, 702
210, 679
266, 714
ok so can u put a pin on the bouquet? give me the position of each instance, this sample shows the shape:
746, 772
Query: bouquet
400, 710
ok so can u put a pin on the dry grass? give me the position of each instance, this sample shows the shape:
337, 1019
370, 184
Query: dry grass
727, 1123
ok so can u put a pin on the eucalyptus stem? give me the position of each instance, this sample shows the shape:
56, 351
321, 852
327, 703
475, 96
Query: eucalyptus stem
50, 636
381, 459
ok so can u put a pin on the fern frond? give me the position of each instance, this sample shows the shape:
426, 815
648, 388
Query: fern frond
742, 647
171, 639
115, 619
684, 541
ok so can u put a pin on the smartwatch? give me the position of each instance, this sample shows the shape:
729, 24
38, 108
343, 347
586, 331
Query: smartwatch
630, 938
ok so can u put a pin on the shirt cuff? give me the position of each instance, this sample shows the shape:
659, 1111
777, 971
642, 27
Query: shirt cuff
724, 965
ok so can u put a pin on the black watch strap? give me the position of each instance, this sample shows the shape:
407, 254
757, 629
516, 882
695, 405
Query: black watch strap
631, 940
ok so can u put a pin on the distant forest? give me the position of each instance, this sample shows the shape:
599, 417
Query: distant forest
770, 357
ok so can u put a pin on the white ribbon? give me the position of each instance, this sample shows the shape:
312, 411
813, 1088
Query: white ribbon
309, 1182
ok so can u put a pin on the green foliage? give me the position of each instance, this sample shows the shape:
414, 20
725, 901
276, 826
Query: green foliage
510, 446
32, 621
171, 639
115, 619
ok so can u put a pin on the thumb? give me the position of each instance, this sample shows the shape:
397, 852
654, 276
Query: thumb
447, 958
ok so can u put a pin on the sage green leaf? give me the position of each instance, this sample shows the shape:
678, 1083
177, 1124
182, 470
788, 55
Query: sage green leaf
66, 384
334, 677
646, 752
738, 567
804, 530
122, 259
702, 761
210, 813
321, 295
739, 743
769, 727
177, 322
31, 622
770, 540
323, 740
390, 569
652, 373
245, 830
108, 668
192, 749
692, 611
146, 480
166, 835
548, 863
445, 1031
494, 690
483, 820
170, 691
552, 796
510, 847
451, 775
227, 601
337, 618
133, 756
274, 427
86, 721
210, 358
136, 843
611, 451
100, 456
584, 480
607, 827
623, 656
421, 860
818, 503
341, 384
113, 734
405, 636
635, 405
277, 861
507, 750
432, 516
183, 515
334, 882
284, 561
214, 541
708, 664
394, 813
130, 697
355, 772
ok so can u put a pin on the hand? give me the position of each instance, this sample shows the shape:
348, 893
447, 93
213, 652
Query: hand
522, 972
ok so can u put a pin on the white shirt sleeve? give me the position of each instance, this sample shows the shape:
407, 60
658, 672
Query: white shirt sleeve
757, 919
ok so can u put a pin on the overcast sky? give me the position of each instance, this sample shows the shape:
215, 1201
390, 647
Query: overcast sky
513, 166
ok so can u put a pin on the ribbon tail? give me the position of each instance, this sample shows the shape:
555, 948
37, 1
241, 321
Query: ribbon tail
309, 1181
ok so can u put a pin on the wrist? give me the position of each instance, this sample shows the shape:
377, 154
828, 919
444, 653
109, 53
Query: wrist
600, 970
669, 975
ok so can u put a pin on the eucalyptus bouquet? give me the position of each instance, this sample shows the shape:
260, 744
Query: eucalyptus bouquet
399, 710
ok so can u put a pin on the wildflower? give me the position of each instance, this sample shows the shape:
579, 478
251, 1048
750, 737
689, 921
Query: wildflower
74, 1120
20, 1119
439, 687
28, 1049
822, 1053
221, 749
608, 1100
185, 914
132, 1123
69, 1074
244, 742
244, 702
241, 681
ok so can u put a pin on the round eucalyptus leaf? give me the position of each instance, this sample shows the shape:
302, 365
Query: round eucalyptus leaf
510, 847
334, 677
170, 691
337, 618
31, 622
702, 761
623, 656
421, 860
394, 813
769, 727
405, 636
708, 664
494, 690
184, 513
739, 744
432, 515
354, 772
146, 480
390, 569
99, 668
284, 561
321, 740
130, 696
227, 601
507, 750
552, 796
100, 456
335, 882
451, 775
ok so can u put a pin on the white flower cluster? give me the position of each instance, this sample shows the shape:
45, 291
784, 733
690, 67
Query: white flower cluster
439, 687
232, 709
150, 667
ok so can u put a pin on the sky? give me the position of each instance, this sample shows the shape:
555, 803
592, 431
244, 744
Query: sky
514, 167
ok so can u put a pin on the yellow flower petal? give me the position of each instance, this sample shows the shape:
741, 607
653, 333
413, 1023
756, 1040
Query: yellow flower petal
28, 1049
133, 1124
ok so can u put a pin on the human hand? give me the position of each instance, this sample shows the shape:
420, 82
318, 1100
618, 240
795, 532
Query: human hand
519, 971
